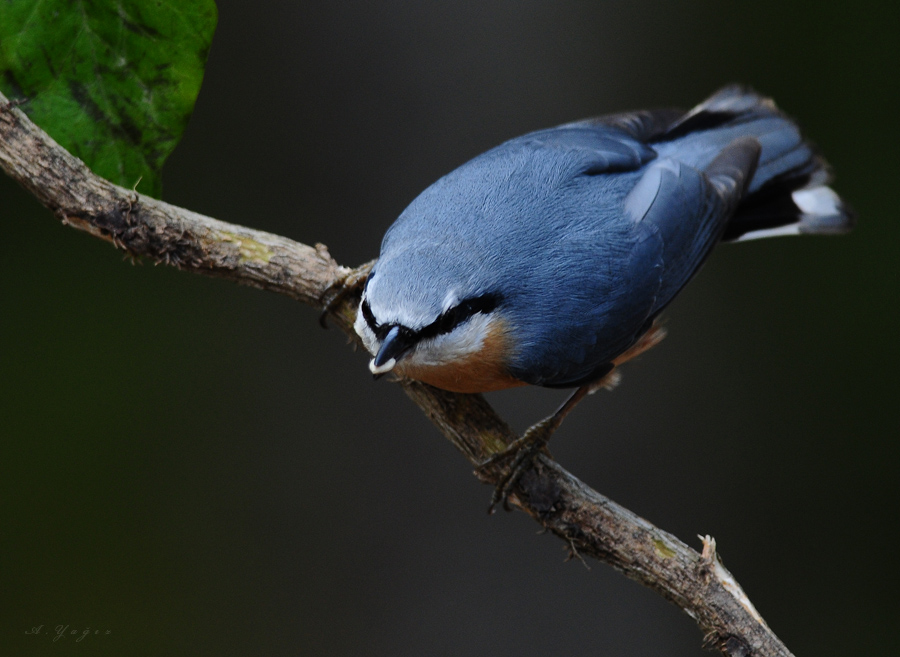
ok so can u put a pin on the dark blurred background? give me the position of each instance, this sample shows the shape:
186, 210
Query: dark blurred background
202, 470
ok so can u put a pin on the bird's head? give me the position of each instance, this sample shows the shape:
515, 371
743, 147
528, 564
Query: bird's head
435, 324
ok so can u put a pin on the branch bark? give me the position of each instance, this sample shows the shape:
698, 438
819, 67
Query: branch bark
588, 522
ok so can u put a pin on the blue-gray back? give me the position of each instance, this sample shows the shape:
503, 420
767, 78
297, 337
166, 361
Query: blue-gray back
587, 231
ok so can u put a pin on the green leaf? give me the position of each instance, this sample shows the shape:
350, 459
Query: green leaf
113, 81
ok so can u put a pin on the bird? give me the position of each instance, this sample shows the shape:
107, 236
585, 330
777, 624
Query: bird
548, 259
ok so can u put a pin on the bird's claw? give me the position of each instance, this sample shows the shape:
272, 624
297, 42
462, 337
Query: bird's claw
522, 451
341, 287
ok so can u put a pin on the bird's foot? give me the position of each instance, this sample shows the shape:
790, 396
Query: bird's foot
341, 288
525, 449
522, 452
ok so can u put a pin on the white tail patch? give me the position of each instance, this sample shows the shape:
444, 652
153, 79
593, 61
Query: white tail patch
820, 201
790, 229
820, 211
823, 211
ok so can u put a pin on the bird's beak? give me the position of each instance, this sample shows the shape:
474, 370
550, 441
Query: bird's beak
394, 346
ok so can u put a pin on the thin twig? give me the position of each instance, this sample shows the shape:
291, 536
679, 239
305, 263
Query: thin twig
588, 523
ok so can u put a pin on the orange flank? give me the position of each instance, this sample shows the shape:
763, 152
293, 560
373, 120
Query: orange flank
480, 371
485, 370
647, 341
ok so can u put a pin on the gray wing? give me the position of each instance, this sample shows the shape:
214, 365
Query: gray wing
595, 147
610, 143
678, 213
685, 210
645, 125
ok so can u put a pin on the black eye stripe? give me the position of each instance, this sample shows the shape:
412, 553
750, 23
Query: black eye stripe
380, 330
445, 323
368, 316
453, 317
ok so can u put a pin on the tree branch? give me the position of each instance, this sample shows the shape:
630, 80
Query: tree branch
589, 523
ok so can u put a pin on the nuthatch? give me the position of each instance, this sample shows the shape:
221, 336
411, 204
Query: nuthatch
546, 260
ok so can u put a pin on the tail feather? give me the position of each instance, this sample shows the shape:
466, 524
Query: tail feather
788, 194
822, 211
